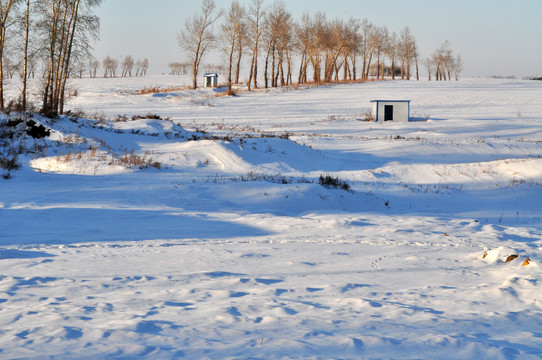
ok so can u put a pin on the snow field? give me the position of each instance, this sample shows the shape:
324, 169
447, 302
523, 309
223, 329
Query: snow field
231, 249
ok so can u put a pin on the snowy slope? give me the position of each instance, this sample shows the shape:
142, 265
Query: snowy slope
198, 228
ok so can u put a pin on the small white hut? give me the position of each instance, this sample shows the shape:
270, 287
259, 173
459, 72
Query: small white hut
210, 80
391, 110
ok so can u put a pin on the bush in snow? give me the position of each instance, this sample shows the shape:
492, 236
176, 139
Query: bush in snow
8, 163
334, 182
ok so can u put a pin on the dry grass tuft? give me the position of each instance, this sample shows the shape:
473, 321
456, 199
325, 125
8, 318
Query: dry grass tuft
159, 90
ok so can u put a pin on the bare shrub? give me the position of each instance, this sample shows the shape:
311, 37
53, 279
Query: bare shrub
9, 162
368, 116
333, 182
131, 159
158, 90
121, 118
148, 116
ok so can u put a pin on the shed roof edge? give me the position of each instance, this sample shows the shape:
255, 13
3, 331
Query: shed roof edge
391, 100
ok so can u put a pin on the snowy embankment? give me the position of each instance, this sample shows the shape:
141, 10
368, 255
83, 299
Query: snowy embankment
182, 224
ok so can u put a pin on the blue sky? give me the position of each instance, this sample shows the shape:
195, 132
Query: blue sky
494, 37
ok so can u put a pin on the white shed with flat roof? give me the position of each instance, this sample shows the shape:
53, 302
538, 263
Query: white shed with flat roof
210, 80
391, 110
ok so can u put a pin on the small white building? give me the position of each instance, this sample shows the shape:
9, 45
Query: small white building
210, 80
391, 110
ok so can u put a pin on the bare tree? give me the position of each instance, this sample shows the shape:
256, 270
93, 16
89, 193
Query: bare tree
31, 66
93, 66
445, 64
127, 66
441, 58
229, 36
416, 55
336, 44
351, 50
5, 8
108, 66
138, 67
428, 63
392, 52
80, 68
256, 14
277, 33
144, 66
283, 46
367, 46
10, 67
197, 36
380, 43
457, 66
241, 30
113, 67
407, 52
25, 53
302, 45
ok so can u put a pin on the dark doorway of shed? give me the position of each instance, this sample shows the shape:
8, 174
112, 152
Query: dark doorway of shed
388, 112
208, 81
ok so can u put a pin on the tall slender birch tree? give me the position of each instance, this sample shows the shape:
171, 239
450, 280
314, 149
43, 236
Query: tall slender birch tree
5, 8
25, 53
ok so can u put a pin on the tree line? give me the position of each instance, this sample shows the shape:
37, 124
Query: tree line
321, 49
55, 33
128, 67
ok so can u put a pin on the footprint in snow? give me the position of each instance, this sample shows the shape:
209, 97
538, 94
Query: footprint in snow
310, 289
178, 304
268, 281
279, 292
72, 332
233, 311
238, 294
219, 274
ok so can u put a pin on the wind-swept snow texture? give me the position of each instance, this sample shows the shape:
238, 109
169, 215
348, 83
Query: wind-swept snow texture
198, 229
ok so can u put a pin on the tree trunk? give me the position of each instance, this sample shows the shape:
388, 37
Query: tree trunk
354, 66
25, 60
250, 74
238, 65
68, 55
363, 70
256, 70
346, 68
3, 20
60, 61
273, 84
265, 69
417, 70
368, 66
47, 94
195, 74
230, 64
301, 63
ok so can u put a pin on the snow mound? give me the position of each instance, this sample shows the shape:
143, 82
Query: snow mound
86, 163
152, 127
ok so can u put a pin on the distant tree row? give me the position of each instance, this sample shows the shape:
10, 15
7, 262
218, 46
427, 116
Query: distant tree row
324, 49
55, 33
128, 66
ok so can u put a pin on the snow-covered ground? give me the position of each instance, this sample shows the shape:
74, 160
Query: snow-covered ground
194, 225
